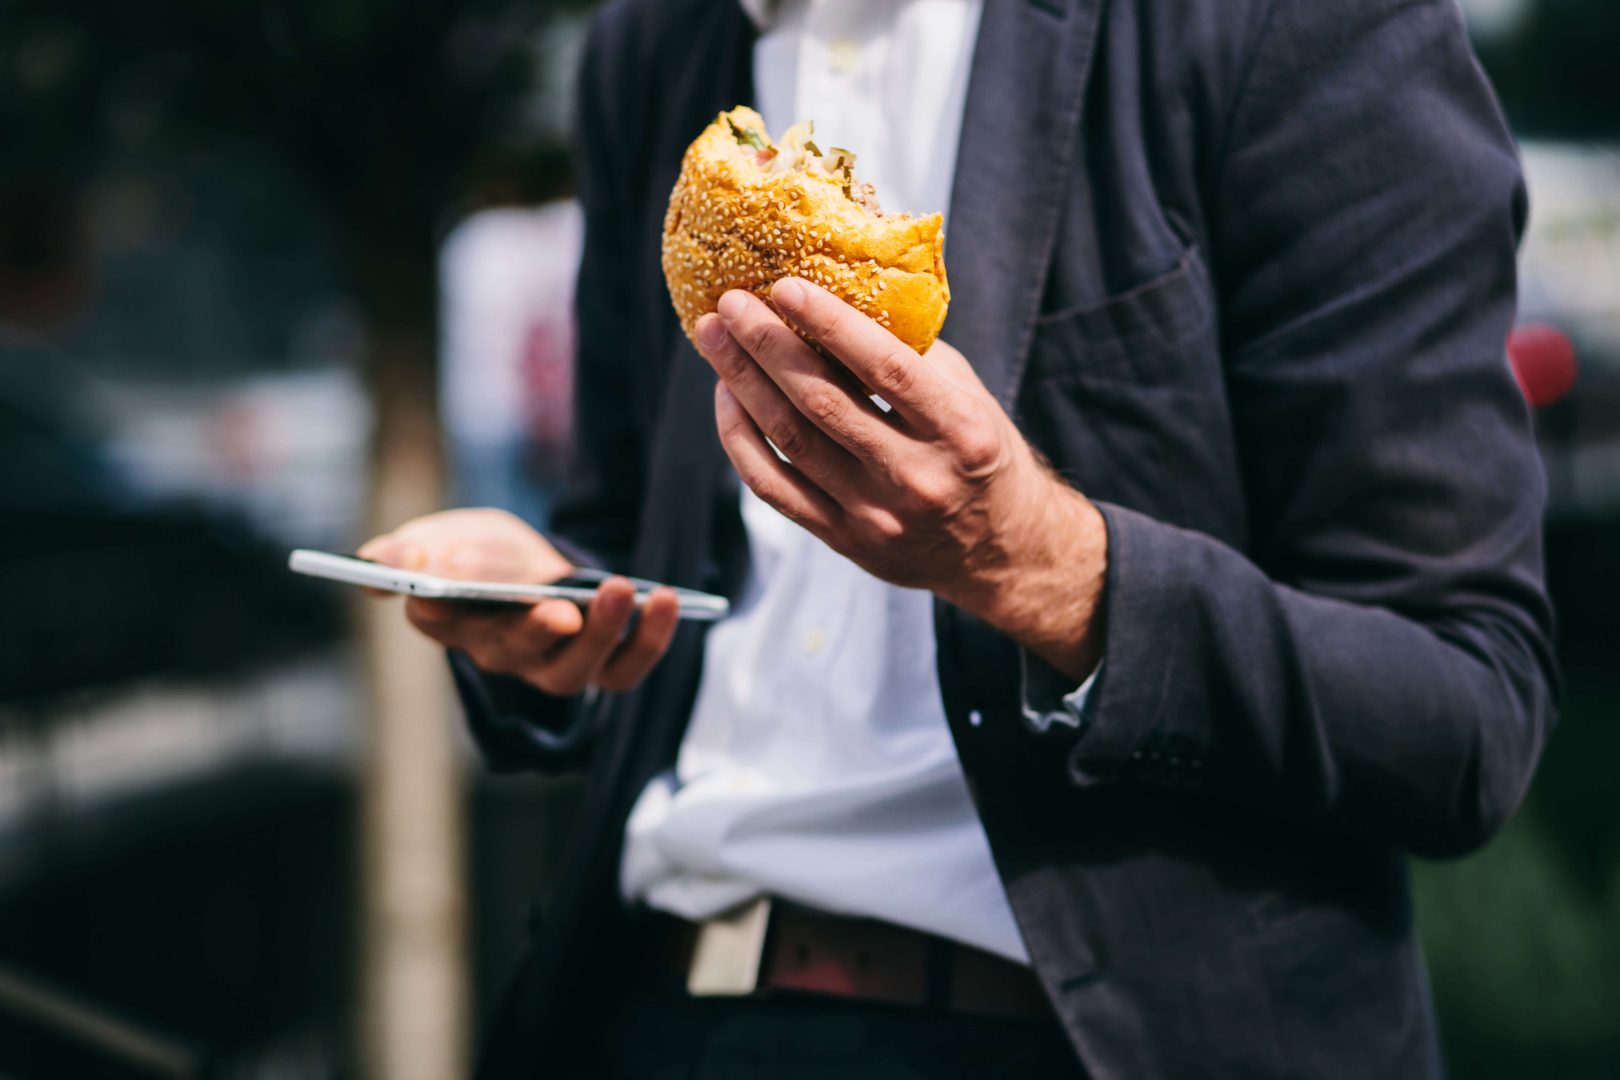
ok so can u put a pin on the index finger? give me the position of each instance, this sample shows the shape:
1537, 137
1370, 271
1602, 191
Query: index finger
887, 365
390, 550
474, 628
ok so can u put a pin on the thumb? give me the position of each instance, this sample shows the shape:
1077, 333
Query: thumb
391, 551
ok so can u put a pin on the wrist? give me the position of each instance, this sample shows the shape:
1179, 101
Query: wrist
1044, 588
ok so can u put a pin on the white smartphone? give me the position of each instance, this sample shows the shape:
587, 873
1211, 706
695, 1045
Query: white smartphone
579, 586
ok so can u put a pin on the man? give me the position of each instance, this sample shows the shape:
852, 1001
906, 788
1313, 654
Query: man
506, 279
1199, 574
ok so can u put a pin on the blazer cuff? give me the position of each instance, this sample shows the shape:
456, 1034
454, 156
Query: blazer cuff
517, 726
1141, 595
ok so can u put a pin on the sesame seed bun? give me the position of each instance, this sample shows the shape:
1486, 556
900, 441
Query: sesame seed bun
733, 223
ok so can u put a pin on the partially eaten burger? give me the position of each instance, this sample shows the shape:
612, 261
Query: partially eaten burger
747, 212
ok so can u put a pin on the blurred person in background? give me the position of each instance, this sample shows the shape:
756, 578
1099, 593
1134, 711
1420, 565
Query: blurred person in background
507, 362
50, 438
104, 581
1107, 768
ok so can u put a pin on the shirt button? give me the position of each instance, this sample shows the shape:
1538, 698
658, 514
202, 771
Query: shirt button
815, 640
841, 56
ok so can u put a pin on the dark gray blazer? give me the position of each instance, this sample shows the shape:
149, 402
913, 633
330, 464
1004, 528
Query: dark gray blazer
1243, 270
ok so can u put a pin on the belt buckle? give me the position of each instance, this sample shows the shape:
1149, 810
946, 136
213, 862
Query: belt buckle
729, 951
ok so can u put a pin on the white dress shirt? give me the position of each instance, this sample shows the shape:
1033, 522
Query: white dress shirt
818, 766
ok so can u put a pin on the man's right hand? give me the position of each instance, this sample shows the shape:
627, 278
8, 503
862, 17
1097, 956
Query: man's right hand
554, 646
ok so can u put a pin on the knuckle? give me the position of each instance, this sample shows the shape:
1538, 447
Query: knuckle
824, 402
895, 372
932, 495
756, 338
491, 517
830, 328
978, 447
733, 363
790, 438
885, 528
734, 425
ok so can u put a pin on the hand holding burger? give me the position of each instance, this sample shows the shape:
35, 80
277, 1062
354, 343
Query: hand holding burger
940, 493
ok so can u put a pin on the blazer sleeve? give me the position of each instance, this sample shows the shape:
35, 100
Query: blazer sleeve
1380, 659
516, 726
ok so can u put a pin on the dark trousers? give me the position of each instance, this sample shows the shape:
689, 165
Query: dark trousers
662, 1033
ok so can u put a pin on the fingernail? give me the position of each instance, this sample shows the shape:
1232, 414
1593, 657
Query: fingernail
731, 305
711, 331
619, 596
788, 294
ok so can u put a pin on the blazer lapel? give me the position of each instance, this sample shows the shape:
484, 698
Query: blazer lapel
1019, 134
688, 466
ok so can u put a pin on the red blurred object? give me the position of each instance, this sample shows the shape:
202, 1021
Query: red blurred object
1543, 361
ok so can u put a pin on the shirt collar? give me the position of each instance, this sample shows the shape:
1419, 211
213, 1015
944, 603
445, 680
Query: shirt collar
762, 12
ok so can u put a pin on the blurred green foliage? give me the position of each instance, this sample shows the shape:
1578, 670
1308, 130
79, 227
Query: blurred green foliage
1523, 939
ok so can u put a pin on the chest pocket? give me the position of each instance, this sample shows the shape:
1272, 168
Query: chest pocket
1125, 396
1138, 334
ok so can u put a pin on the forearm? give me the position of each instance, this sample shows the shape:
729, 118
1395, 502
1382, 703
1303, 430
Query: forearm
1421, 732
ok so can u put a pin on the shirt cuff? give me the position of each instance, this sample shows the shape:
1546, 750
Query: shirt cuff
1049, 697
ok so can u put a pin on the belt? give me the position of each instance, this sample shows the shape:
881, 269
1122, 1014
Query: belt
769, 945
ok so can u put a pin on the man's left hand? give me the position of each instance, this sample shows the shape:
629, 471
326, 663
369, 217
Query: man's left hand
941, 493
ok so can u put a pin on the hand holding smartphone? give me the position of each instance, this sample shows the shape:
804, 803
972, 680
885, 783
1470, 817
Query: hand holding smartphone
467, 576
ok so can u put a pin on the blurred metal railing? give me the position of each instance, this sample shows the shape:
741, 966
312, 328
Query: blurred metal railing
93, 1028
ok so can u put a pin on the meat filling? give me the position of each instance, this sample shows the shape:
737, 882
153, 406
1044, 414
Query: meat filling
798, 152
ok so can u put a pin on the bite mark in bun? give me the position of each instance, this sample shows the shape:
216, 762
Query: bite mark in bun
747, 212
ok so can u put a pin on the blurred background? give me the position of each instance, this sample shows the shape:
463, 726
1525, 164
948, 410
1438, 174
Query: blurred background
276, 274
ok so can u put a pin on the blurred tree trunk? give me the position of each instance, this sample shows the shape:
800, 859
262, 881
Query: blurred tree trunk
414, 1005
